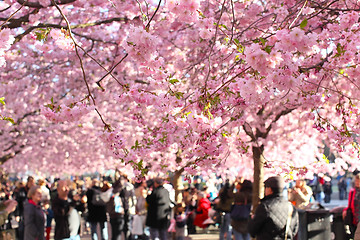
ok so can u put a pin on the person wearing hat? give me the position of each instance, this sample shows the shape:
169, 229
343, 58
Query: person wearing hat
275, 217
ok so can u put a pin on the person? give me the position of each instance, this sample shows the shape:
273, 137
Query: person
116, 208
327, 189
96, 213
226, 199
202, 210
7, 207
67, 219
20, 197
180, 217
45, 192
342, 188
275, 217
140, 193
190, 197
353, 208
319, 188
49, 217
300, 194
242, 197
131, 202
34, 219
158, 215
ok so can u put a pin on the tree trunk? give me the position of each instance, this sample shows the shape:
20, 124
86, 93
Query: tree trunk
258, 186
176, 183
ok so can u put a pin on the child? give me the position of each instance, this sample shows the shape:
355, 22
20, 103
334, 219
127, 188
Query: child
180, 219
49, 217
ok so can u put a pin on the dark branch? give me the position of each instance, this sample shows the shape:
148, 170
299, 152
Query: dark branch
84, 25
278, 116
38, 5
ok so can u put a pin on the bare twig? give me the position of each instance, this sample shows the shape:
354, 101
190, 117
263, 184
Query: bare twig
76, 50
109, 72
297, 16
157, 8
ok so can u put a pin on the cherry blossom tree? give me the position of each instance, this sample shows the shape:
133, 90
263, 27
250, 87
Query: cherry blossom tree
237, 87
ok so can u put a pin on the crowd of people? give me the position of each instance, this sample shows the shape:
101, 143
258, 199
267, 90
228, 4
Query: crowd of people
150, 210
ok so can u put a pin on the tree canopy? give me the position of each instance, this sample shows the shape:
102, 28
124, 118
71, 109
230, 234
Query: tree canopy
179, 85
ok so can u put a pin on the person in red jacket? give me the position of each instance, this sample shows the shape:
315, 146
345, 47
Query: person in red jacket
354, 205
202, 211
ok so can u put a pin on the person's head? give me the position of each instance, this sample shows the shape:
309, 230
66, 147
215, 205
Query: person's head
274, 185
179, 208
158, 182
300, 183
41, 182
123, 179
30, 182
46, 204
357, 180
200, 195
95, 183
19, 184
246, 186
63, 189
34, 194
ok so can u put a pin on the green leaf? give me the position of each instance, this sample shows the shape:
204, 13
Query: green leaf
224, 26
2, 101
179, 95
304, 23
340, 49
263, 41
237, 42
52, 100
268, 49
241, 49
173, 81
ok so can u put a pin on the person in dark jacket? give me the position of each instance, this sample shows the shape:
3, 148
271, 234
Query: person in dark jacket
96, 213
226, 199
66, 216
242, 197
34, 219
158, 215
117, 207
275, 217
20, 196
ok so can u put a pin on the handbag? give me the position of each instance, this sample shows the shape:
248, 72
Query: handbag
240, 211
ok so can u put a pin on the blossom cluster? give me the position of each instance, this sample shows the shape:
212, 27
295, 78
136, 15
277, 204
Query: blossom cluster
115, 142
62, 40
141, 45
63, 113
295, 40
185, 10
6, 39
